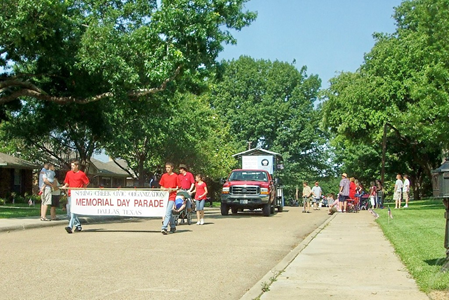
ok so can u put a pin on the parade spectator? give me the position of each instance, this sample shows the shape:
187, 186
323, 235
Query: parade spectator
373, 194
380, 193
406, 190
316, 193
306, 195
333, 204
352, 188
75, 178
200, 198
397, 196
46, 178
169, 182
343, 194
55, 197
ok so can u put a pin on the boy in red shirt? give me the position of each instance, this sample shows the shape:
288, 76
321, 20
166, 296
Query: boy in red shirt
74, 178
169, 182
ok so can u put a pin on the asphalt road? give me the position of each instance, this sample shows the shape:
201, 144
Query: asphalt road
131, 259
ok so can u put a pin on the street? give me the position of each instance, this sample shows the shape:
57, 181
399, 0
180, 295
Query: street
131, 259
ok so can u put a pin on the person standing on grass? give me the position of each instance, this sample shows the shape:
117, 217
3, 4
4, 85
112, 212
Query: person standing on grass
48, 176
398, 191
343, 195
406, 190
200, 198
306, 195
75, 178
169, 182
373, 194
316, 192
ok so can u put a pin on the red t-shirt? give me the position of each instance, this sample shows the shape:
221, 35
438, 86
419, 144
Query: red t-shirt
76, 180
186, 180
200, 190
170, 181
352, 189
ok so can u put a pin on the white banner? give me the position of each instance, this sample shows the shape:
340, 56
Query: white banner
123, 202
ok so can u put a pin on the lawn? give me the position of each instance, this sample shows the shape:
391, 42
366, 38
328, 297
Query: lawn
417, 234
23, 210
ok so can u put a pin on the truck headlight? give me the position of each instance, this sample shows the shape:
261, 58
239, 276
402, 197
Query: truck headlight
264, 191
225, 190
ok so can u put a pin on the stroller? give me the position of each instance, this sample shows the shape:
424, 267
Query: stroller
187, 209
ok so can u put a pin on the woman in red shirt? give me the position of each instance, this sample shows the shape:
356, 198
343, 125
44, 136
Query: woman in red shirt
200, 198
352, 188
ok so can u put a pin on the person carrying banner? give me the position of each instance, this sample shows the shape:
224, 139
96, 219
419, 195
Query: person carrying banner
169, 182
75, 178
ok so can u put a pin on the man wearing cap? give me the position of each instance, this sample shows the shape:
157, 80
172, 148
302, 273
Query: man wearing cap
344, 192
186, 179
187, 184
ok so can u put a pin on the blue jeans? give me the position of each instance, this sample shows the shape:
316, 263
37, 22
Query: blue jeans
169, 216
74, 221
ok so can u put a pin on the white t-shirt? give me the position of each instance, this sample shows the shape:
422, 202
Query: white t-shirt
399, 185
406, 185
316, 190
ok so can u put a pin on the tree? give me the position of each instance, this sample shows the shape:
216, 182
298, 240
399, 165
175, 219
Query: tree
271, 105
402, 83
180, 128
84, 51
42, 131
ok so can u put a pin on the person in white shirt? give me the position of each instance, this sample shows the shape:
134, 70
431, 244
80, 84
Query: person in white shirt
397, 197
316, 193
406, 191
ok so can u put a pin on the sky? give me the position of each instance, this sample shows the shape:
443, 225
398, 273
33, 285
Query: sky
327, 36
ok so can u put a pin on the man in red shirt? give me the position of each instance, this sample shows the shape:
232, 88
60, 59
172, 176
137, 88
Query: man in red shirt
169, 182
74, 178
186, 179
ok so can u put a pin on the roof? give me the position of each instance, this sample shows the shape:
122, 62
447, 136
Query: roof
443, 168
257, 151
8, 161
108, 169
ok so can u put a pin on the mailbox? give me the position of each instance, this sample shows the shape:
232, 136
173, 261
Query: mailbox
440, 184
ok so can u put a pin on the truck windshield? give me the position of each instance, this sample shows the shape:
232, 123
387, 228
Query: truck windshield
248, 176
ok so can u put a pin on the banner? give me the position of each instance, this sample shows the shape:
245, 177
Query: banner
123, 202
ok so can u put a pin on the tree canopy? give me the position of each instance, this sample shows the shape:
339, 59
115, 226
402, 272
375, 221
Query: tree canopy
77, 51
401, 84
272, 105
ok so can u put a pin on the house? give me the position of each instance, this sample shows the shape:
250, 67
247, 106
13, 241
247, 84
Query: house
16, 175
109, 175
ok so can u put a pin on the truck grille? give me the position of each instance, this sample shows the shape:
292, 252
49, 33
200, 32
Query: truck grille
245, 190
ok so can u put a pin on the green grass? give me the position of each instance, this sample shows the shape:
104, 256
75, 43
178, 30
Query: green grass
417, 234
23, 210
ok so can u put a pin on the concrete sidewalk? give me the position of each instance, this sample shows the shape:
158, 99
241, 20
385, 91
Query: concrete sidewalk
347, 258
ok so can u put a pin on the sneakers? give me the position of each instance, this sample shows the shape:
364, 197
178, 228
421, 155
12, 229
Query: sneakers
164, 231
405, 206
79, 228
68, 229
202, 222
198, 223
173, 230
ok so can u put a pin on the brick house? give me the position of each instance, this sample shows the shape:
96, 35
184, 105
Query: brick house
16, 175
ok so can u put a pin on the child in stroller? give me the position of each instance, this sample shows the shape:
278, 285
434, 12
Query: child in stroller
182, 209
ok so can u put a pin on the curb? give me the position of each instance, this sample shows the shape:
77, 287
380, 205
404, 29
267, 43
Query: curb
256, 291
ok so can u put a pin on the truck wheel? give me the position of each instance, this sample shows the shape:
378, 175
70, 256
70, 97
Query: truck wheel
272, 209
280, 208
266, 209
234, 210
224, 209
